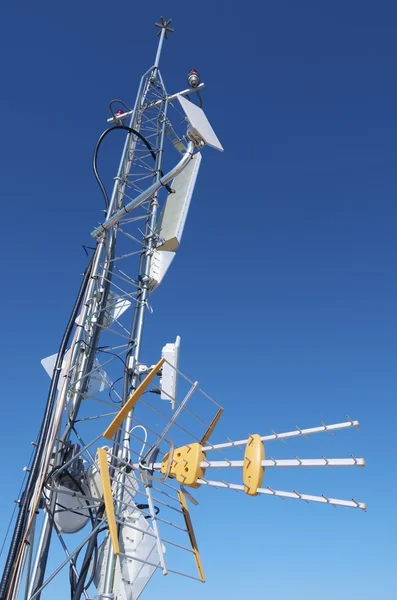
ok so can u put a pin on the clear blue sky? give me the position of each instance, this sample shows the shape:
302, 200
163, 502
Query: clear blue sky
284, 290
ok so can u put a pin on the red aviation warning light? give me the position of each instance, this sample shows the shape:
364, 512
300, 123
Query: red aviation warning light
193, 78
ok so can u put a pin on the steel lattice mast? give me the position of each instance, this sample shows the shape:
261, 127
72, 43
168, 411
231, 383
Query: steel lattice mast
75, 482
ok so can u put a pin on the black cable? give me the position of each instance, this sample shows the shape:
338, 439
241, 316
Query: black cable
80, 488
87, 585
16, 504
101, 349
72, 575
91, 513
120, 102
146, 507
94, 567
124, 362
95, 157
22, 519
116, 356
92, 543
112, 354
85, 248
111, 389
199, 97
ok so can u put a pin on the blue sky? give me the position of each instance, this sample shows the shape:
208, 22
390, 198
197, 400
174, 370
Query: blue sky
284, 290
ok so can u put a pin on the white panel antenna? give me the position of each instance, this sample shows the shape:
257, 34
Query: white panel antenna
168, 382
136, 565
200, 126
99, 380
115, 307
173, 216
159, 265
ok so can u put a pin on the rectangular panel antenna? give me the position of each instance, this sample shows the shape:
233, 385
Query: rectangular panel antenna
161, 262
170, 371
199, 123
173, 216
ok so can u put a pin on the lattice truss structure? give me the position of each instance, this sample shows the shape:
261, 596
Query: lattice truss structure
122, 446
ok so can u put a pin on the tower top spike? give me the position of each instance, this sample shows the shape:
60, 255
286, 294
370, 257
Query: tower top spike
166, 26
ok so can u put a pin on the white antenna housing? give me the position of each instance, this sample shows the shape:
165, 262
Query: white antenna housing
71, 513
170, 371
98, 382
201, 129
115, 307
136, 566
159, 265
173, 216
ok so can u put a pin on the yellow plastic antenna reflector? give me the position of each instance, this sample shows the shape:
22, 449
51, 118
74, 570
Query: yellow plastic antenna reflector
253, 471
211, 428
185, 464
108, 498
192, 537
132, 400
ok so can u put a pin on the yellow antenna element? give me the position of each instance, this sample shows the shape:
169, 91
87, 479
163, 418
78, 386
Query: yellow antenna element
132, 400
211, 428
253, 471
108, 498
186, 465
192, 537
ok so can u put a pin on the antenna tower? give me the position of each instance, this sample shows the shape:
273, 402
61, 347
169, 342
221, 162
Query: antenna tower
122, 441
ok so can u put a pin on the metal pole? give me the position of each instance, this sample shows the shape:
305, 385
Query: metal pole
159, 48
137, 326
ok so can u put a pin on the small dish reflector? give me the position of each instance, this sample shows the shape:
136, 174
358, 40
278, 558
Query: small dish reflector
200, 125
71, 513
